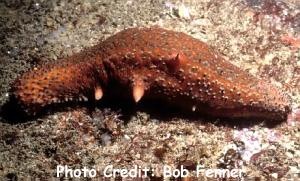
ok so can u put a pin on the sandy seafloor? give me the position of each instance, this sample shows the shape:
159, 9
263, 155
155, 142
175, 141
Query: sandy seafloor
260, 36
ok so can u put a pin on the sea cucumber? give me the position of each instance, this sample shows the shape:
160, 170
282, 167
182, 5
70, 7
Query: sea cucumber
157, 64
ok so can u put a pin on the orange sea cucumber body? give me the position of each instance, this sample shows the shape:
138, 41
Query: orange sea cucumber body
157, 64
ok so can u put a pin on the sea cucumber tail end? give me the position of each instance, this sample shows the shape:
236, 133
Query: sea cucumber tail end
54, 84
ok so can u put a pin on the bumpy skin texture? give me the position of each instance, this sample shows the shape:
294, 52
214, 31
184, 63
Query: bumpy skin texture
156, 64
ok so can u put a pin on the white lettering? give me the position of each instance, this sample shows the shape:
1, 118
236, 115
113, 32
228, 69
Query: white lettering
108, 171
168, 172
199, 170
92, 173
235, 173
68, 172
77, 173
133, 172
123, 172
59, 169
209, 173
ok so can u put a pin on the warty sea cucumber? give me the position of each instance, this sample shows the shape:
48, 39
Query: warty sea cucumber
158, 64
